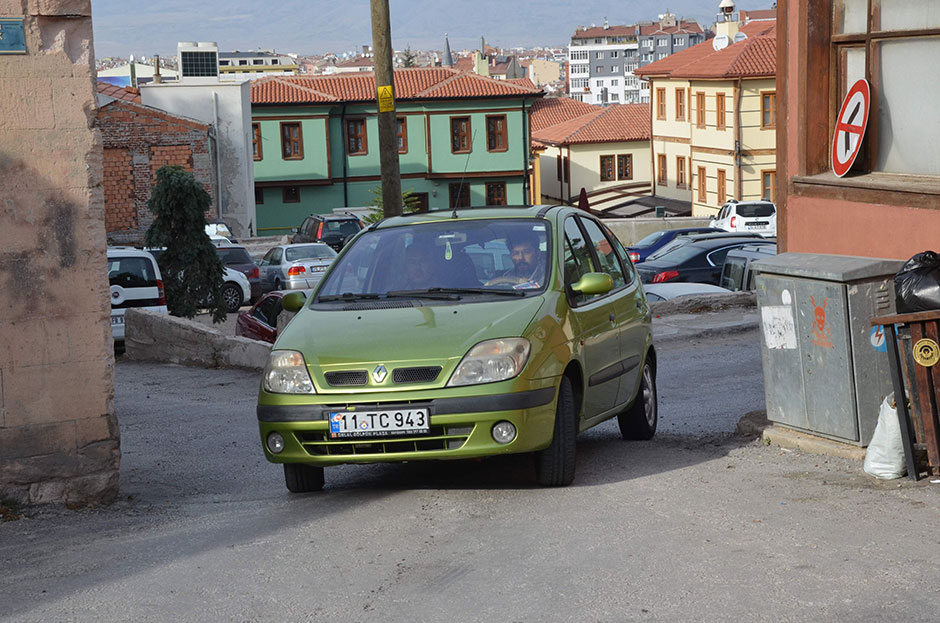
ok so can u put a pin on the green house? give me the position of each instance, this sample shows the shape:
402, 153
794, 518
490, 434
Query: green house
463, 141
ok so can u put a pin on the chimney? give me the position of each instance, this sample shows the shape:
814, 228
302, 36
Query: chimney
157, 78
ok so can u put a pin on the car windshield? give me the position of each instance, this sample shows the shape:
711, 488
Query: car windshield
444, 260
310, 251
649, 240
751, 210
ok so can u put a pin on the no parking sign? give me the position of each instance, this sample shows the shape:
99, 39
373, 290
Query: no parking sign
850, 127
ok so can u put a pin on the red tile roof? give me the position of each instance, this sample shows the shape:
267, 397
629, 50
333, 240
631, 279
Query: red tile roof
600, 31
551, 111
613, 124
522, 82
632, 30
359, 61
683, 26
417, 83
754, 57
464, 63
759, 14
126, 94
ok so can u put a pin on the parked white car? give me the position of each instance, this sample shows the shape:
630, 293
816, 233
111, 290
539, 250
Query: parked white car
755, 217
135, 281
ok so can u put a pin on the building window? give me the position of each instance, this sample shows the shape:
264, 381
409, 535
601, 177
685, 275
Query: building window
459, 195
292, 145
661, 169
259, 195
680, 171
720, 116
598, 55
615, 82
700, 110
661, 103
614, 54
356, 142
496, 134
291, 194
769, 185
680, 104
607, 168
567, 170
615, 97
558, 165
598, 69
768, 110
401, 129
460, 135
256, 140
625, 167
721, 186
496, 194
702, 196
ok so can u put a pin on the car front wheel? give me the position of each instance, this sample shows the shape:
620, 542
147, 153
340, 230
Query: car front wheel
232, 297
302, 478
638, 422
554, 465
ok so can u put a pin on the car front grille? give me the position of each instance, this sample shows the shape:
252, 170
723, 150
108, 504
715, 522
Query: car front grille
437, 438
426, 374
344, 378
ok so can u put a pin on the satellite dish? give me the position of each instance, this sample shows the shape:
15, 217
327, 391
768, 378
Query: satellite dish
720, 42
738, 38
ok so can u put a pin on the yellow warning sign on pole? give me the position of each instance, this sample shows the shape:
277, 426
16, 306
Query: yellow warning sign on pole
386, 99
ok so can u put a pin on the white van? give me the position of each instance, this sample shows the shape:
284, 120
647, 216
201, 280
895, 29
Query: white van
135, 281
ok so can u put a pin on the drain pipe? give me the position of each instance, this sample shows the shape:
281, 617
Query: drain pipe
218, 161
739, 186
342, 133
525, 159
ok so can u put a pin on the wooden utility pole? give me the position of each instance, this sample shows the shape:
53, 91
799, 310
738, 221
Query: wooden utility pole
385, 94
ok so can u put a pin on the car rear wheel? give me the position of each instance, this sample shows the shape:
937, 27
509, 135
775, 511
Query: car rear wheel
232, 297
554, 465
302, 478
277, 284
638, 422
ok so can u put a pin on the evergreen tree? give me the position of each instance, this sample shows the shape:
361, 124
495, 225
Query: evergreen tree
191, 268
409, 205
409, 58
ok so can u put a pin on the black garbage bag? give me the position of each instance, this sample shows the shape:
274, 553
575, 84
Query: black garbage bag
917, 284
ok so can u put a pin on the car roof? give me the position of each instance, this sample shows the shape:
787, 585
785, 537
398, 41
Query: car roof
127, 252
755, 249
535, 211
718, 241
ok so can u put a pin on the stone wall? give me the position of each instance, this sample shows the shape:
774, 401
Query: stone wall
138, 140
59, 437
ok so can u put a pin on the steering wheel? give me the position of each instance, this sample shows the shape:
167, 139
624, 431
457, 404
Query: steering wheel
505, 280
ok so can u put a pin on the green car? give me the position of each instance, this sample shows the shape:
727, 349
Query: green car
462, 334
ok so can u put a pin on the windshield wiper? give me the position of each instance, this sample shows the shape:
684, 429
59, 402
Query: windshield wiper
500, 291
348, 296
430, 293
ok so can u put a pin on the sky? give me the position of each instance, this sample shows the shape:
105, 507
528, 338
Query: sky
317, 26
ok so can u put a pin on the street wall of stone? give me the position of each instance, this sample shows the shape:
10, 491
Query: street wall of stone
59, 439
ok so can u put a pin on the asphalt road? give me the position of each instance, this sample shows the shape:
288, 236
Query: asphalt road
695, 525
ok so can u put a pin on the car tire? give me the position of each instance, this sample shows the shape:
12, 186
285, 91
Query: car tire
232, 296
638, 422
277, 284
554, 466
301, 478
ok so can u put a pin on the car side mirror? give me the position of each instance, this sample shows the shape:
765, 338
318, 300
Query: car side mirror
594, 283
294, 301
294, 230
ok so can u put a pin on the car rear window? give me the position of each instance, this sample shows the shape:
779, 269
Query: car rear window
235, 255
751, 210
343, 228
131, 272
313, 251
649, 240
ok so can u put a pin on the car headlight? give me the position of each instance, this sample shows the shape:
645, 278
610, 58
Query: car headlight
286, 373
492, 360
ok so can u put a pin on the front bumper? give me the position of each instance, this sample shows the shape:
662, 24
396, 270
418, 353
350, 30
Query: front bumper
460, 427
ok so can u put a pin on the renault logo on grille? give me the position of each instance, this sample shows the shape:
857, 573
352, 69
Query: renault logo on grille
379, 373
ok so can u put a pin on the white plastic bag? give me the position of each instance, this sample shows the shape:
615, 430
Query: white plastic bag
885, 455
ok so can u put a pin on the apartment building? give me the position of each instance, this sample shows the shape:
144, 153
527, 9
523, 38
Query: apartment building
603, 59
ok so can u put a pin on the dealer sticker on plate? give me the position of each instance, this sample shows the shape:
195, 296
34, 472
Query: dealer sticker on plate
378, 423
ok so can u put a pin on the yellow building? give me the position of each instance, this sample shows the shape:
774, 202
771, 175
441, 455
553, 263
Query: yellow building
603, 150
713, 119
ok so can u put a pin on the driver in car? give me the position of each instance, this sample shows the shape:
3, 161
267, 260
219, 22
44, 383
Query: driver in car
528, 264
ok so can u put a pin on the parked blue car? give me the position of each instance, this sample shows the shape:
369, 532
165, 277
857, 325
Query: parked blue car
657, 240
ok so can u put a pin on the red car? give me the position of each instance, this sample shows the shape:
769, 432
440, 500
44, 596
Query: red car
260, 322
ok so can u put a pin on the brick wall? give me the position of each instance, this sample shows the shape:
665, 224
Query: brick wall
151, 138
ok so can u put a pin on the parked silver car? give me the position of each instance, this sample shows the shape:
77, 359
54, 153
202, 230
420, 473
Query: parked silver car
295, 266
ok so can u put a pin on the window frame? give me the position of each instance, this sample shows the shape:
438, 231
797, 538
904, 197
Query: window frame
700, 109
661, 170
722, 186
299, 140
628, 158
495, 185
467, 134
503, 134
721, 112
680, 104
401, 131
259, 195
772, 109
256, 141
463, 190
364, 136
702, 185
772, 197
607, 171
285, 192
661, 103
680, 172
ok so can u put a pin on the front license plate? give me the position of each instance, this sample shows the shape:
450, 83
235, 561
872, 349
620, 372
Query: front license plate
379, 423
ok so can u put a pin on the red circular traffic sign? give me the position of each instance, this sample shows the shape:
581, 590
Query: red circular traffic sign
850, 127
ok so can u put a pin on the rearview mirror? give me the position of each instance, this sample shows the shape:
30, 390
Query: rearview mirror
294, 301
594, 283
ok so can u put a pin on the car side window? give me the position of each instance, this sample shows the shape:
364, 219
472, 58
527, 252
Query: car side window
307, 226
606, 256
577, 258
629, 274
265, 312
266, 260
278, 254
717, 257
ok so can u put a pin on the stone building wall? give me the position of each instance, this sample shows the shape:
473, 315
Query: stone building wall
138, 140
59, 438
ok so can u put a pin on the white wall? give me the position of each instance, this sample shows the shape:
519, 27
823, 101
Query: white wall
232, 103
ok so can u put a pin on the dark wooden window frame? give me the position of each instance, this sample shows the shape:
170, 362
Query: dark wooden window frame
456, 134
503, 134
463, 192
286, 194
680, 172
558, 164
299, 140
607, 171
772, 109
621, 173
259, 195
773, 191
256, 141
401, 131
363, 135
502, 193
